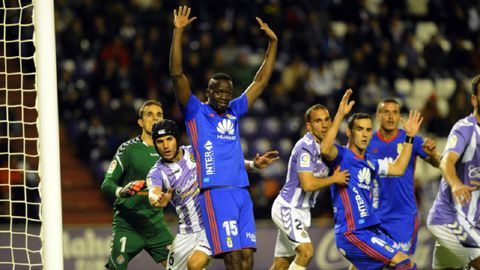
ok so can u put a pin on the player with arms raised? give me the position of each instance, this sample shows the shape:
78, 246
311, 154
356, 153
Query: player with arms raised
213, 129
358, 234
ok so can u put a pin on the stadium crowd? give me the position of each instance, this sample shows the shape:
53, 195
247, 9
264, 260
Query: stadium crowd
113, 55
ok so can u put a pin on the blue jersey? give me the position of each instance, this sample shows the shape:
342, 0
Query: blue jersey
352, 204
216, 142
394, 196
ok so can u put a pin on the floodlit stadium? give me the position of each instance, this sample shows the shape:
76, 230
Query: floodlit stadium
74, 75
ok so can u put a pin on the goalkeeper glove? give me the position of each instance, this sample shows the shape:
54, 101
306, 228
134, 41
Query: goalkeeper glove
131, 188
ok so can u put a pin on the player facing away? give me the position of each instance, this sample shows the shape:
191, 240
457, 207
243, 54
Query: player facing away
174, 179
213, 130
454, 219
358, 234
306, 175
136, 224
394, 196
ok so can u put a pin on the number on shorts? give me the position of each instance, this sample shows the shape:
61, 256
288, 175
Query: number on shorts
123, 241
171, 260
230, 227
298, 224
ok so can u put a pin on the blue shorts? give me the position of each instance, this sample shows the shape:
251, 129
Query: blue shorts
367, 249
403, 230
228, 218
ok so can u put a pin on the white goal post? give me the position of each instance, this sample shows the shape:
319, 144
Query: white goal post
30, 187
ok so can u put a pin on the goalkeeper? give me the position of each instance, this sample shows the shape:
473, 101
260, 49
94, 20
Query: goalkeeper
136, 224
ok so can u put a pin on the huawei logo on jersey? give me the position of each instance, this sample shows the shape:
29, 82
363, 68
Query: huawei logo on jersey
226, 130
364, 178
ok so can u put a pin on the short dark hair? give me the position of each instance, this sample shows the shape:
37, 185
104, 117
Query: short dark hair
387, 100
221, 76
315, 107
475, 84
357, 116
148, 103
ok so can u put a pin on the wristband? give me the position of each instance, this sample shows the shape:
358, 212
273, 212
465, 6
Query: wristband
409, 139
252, 166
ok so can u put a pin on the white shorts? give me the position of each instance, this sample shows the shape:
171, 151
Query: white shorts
292, 224
456, 246
183, 246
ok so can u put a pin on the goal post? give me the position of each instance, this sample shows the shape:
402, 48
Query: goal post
50, 184
30, 187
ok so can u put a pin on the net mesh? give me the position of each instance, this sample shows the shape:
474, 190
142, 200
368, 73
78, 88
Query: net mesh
20, 225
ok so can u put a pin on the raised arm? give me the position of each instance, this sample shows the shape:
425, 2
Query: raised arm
180, 81
461, 193
397, 168
264, 73
329, 151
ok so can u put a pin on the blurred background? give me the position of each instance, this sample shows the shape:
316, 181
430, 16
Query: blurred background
113, 55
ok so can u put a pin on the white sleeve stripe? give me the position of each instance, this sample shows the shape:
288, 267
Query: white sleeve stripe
119, 161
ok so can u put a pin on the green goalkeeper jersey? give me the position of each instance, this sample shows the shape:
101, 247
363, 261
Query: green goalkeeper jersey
133, 161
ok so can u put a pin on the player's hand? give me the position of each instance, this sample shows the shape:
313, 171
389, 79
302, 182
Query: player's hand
462, 194
269, 32
412, 126
164, 198
132, 188
345, 105
429, 146
181, 17
341, 177
266, 159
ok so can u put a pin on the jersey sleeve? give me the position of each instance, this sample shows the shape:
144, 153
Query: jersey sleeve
113, 176
380, 167
417, 147
456, 142
191, 108
155, 177
239, 105
304, 161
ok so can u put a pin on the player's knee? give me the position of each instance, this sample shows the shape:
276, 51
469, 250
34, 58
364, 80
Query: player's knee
281, 263
195, 265
475, 263
305, 251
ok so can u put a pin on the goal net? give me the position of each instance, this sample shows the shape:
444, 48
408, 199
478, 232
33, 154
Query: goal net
22, 215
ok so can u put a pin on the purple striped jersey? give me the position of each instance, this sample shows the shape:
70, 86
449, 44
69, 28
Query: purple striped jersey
464, 139
305, 157
182, 177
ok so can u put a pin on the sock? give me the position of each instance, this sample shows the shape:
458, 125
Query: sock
294, 266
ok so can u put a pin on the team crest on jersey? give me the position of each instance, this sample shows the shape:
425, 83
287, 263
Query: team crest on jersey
120, 259
229, 242
399, 148
229, 116
452, 142
112, 166
192, 157
304, 160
